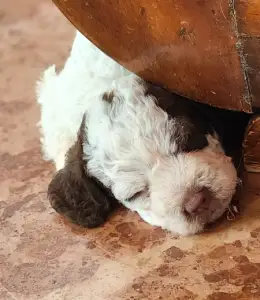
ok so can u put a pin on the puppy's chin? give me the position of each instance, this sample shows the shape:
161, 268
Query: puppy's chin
190, 190
176, 224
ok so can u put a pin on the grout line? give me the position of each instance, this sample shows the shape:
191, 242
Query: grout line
9, 293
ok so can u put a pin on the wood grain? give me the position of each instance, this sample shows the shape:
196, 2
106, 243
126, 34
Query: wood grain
190, 47
248, 17
248, 24
251, 47
252, 146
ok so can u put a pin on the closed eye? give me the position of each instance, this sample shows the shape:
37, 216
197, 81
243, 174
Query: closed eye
144, 192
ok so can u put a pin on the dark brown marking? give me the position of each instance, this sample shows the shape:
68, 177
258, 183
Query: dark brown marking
76, 195
108, 96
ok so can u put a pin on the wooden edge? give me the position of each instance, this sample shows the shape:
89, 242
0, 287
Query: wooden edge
251, 146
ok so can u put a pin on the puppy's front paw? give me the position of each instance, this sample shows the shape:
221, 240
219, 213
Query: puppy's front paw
76, 195
81, 212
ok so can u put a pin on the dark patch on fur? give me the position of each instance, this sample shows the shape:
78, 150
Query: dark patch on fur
189, 137
108, 96
196, 120
191, 129
76, 195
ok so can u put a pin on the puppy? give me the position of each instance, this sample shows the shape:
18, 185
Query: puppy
167, 163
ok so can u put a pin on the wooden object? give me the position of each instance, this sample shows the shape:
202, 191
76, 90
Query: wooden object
204, 50
252, 146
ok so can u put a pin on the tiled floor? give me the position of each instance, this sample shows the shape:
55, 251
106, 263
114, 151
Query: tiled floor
41, 257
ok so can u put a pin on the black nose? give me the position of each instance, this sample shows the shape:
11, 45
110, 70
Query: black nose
195, 204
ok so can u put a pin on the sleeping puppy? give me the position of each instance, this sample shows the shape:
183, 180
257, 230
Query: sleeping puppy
114, 137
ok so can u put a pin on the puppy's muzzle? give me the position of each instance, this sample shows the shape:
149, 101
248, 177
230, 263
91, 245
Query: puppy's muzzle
197, 203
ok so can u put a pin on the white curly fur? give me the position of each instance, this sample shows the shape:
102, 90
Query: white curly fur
129, 146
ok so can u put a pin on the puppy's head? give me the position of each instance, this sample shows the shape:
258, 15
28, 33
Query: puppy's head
192, 186
191, 190
76, 195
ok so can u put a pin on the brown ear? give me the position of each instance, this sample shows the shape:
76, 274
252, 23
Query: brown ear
76, 195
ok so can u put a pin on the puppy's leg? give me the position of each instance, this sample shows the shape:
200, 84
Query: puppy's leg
76, 195
80, 198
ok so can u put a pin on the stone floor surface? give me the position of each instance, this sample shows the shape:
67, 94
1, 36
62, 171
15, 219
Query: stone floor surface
42, 257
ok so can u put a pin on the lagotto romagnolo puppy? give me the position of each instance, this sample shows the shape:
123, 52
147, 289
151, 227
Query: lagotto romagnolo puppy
113, 136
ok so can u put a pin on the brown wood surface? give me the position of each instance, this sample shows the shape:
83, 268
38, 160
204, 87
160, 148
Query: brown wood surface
248, 13
252, 146
248, 20
201, 49
251, 47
